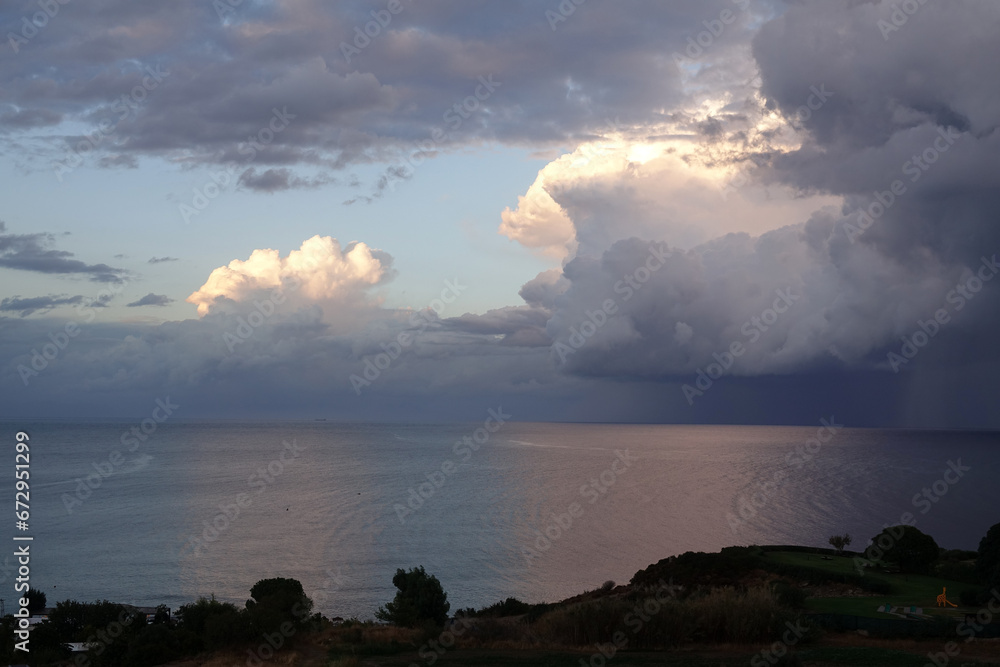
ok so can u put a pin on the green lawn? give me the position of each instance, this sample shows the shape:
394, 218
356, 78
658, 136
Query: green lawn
907, 589
813, 656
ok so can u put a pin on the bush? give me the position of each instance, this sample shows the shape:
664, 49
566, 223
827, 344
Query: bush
720, 616
419, 598
958, 571
491, 629
509, 607
727, 616
215, 624
726, 568
583, 623
971, 597
159, 643
988, 557
788, 594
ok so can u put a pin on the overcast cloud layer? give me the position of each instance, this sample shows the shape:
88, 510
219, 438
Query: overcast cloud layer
758, 211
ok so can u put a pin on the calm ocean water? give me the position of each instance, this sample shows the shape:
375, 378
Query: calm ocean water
611, 499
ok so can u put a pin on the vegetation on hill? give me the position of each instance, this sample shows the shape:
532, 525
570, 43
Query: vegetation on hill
759, 597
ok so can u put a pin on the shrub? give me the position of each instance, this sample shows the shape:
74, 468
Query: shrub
725, 615
583, 623
971, 597
726, 568
509, 607
721, 616
788, 594
958, 571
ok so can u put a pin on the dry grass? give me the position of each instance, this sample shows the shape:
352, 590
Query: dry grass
723, 615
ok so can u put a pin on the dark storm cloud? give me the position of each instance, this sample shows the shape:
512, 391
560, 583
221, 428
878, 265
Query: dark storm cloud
32, 252
219, 76
30, 305
151, 300
21, 119
520, 326
914, 104
892, 114
927, 90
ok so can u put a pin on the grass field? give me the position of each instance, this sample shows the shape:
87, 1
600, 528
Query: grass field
907, 589
817, 656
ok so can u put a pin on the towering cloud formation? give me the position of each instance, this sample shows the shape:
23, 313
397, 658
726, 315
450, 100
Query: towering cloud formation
321, 270
871, 197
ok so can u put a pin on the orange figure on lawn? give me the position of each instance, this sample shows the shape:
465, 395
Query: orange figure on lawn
942, 600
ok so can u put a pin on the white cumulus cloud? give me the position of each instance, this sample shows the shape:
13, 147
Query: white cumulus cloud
321, 270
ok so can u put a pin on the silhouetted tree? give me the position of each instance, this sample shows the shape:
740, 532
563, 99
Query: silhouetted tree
420, 598
840, 542
988, 562
202, 619
36, 601
276, 601
913, 550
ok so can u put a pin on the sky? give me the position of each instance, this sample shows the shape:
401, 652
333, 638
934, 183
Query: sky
694, 211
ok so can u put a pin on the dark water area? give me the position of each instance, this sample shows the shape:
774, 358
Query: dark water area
536, 511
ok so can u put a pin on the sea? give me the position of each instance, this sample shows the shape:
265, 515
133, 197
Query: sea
164, 513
